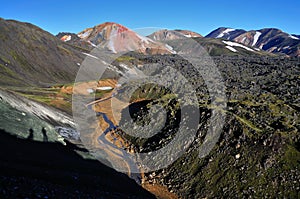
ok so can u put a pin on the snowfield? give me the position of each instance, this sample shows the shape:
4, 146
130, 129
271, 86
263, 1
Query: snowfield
256, 37
230, 43
231, 48
293, 37
228, 30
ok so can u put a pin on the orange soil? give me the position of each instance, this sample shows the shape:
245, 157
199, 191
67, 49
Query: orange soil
114, 115
159, 191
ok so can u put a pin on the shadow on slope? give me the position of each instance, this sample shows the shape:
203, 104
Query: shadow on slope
46, 170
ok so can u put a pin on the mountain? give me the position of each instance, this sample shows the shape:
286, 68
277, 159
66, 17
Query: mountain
163, 35
179, 41
257, 153
214, 47
32, 56
297, 36
73, 39
118, 38
189, 33
268, 39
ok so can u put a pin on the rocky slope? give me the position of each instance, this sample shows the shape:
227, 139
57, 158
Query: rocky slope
268, 39
259, 144
257, 154
74, 40
163, 35
32, 56
214, 47
40, 160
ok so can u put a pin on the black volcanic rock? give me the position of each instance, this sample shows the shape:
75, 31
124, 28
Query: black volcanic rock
258, 150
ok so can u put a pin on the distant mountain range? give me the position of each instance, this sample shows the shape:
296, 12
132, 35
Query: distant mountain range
32, 56
258, 151
117, 38
269, 39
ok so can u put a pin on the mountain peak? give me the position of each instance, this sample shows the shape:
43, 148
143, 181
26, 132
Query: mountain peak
271, 40
120, 27
118, 38
165, 34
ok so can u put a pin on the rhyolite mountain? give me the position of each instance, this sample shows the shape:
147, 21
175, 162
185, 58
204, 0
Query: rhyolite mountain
117, 38
32, 56
268, 39
181, 42
258, 152
163, 35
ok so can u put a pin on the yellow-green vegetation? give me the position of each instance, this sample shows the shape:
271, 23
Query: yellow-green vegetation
49, 96
64, 50
124, 58
7, 71
78, 47
39, 98
247, 123
5, 60
99, 94
19, 58
291, 158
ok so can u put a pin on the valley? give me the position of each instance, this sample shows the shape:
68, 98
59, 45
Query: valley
111, 129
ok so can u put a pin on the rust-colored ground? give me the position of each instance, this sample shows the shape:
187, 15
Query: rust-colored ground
114, 115
159, 191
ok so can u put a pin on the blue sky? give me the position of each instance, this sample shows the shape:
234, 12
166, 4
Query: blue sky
200, 16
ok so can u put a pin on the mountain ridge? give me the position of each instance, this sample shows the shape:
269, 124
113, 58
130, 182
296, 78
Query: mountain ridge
268, 39
31, 56
118, 38
272, 40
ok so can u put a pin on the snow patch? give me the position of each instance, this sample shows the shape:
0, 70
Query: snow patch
230, 43
90, 90
111, 46
145, 39
231, 48
228, 30
293, 37
256, 37
169, 47
66, 38
90, 55
189, 35
124, 66
104, 88
94, 45
261, 46
84, 34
